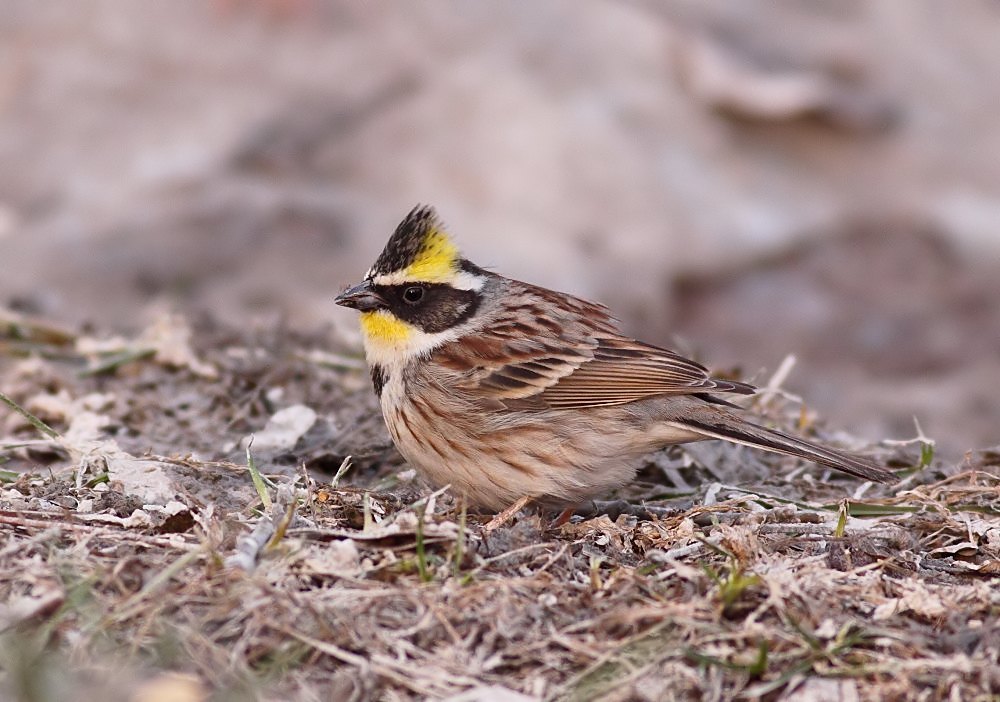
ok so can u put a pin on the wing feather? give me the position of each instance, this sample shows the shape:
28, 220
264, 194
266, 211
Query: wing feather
560, 352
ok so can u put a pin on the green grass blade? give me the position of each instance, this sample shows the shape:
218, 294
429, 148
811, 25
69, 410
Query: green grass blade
32, 419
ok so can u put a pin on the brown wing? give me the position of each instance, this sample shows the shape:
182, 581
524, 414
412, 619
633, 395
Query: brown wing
561, 352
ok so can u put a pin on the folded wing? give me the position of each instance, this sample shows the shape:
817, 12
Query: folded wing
564, 353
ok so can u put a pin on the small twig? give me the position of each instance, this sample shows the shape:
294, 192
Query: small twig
506, 515
249, 546
344, 466
920, 438
427, 502
682, 551
310, 493
773, 387
282, 526
368, 522
548, 564
459, 553
672, 474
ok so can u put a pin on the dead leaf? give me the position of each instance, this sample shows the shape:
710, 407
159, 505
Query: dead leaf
335, 558
283, 430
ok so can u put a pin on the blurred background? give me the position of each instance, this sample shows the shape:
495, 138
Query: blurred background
742, 180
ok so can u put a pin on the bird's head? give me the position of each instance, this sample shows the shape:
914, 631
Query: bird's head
418, 294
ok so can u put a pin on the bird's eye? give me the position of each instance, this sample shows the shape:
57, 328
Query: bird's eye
413, 294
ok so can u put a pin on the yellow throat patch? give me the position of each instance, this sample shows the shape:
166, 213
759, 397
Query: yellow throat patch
383, 330
437, 260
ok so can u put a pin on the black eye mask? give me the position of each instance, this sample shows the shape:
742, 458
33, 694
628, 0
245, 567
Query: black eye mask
438, 308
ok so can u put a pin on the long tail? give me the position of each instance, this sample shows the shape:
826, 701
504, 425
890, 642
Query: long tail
739, 431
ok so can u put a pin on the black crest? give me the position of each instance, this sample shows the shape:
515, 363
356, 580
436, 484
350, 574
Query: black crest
407, 241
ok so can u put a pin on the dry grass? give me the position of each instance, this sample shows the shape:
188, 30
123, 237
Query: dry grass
752, 584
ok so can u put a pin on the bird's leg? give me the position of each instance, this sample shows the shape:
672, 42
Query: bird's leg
615, 508
563, 517
503, 517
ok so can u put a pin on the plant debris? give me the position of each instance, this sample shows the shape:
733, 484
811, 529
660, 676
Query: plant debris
139, 561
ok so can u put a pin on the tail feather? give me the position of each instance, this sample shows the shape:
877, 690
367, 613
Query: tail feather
749, 434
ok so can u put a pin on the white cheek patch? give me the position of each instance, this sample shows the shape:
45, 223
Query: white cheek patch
422, 343
398, 353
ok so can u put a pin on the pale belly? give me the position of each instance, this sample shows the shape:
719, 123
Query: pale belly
558, 458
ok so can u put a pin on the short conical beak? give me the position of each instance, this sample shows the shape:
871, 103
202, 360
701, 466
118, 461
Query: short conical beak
361, 297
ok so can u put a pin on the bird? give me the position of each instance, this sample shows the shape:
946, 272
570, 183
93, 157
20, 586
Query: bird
511, 393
